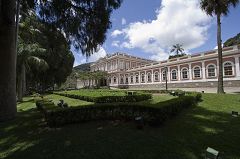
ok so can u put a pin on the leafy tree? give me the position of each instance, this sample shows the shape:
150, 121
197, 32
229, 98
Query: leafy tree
84, 22
218, 8
26, 58
28, 53
233, 41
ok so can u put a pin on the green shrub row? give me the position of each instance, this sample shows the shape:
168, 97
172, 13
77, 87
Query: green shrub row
154, 115
109, 99
44, 105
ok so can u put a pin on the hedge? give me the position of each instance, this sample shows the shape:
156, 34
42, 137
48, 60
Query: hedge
154, 115
109, 99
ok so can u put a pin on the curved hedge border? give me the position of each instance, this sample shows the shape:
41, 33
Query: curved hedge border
154, 115
109, 99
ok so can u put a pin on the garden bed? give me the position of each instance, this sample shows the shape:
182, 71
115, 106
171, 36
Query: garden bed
153, 115
106, 96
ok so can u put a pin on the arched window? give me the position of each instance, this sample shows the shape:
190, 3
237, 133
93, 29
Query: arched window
137, 78
121, 80
228, 69
174, 74
197, 72
131, 78
164, 75
126, 79
114, 79
184, 73
156, 76
143, 78
211, 70
149, 77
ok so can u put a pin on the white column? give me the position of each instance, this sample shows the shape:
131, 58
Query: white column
118, 79
139, 77
203, 70
145, 76
237, 66
152, 77
160, 75
168, 74
179, 73
134, 78
190, 71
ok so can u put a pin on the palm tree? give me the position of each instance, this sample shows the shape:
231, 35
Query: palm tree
178, 49
27, 57
218, 8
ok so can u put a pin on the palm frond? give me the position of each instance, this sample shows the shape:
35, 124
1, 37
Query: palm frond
38, 63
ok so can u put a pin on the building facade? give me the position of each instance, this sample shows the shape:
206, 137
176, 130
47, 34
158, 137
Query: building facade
191, 71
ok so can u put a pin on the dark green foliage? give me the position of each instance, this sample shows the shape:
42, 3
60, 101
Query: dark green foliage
233, 41
218, 6
177, 93
44, 105
176, 56
177, 50
154, 115
56, 52
109, 99
85, 22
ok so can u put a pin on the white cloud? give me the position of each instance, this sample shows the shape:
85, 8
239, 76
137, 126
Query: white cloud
80, 59
115, 33
115, 43
216, 47
124, 21
177, 21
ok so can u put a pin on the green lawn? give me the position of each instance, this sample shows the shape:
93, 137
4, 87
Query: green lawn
184, 137
96, 93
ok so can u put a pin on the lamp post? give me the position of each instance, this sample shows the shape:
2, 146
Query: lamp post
166, 79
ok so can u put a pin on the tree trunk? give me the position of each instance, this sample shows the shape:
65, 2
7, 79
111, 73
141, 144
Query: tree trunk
20, 84
7, 60
220, 63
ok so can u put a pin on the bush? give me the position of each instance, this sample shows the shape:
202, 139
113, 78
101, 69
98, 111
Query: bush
136, 97
153, 116
43, 105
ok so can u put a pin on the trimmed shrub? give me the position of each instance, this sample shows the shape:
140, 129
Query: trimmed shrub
154, 115
136, 97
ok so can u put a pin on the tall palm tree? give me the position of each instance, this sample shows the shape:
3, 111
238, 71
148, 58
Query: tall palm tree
26, 57
178, 49
218, 8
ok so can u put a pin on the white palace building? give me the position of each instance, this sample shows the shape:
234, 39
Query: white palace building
190, 71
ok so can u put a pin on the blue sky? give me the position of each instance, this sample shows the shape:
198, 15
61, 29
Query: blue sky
148, 28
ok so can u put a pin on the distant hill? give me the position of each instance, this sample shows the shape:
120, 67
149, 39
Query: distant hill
233, 41
83, 67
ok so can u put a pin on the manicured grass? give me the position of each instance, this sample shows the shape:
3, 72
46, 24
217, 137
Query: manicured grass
184, 137
70, 101
95, 93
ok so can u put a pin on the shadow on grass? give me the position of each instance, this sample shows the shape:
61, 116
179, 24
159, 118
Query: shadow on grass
184, 137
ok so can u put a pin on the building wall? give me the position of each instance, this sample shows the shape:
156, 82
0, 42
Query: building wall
190, 71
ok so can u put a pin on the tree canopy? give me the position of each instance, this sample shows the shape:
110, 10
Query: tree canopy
83, 22
233, 41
